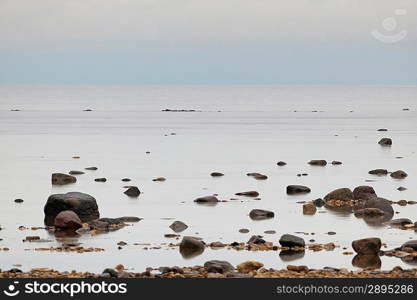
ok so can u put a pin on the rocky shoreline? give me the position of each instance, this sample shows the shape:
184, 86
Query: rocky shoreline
217, 269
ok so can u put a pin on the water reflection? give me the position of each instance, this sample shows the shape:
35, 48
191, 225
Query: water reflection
189, 252
290, 255
367, 261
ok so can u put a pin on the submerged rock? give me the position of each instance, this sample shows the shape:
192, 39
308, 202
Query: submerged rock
288, 240
369, 212
297, 189
84, 205
61, 179
260, 214
367, 246
67, 220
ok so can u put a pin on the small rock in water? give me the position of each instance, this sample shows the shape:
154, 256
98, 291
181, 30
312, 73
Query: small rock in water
76, 172
318, 162
379, 172
297, 189
128, 219
336, 163
288, 240
260, 214
399, 174
281, 163
126, 179
309, 209
258, 176
100, 179
400, 222
369, 212
410, 244
270, 232
401, 189
61, 179
160, 179
342, 194
248, 194
367, 246
207, 199
385, 142
18, 200
382, 129
243, 230
178, 226
319, 202
402, 202
331, 233
92, 168
132, 191
216, 174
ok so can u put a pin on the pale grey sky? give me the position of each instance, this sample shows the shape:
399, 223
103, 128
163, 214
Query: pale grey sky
208, 42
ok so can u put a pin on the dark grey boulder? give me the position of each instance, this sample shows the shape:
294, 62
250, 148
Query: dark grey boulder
61, 179
132, 191
297, 189
288, 240
84, 205
261, 214
218, 266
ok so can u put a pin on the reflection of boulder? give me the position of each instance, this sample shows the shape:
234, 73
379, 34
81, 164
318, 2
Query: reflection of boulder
67, 237
290, 255
367, 261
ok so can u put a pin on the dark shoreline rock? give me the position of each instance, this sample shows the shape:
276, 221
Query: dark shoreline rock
132, 191
385, 142
261, 214
291, 241
367, 246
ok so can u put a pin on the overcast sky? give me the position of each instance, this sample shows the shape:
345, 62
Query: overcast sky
208, 41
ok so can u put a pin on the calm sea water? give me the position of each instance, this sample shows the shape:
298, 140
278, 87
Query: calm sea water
235, 130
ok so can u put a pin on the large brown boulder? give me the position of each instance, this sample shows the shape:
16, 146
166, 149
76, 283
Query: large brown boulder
61, 179
367, 246
364, 193
84, 205
67, 220
342, 194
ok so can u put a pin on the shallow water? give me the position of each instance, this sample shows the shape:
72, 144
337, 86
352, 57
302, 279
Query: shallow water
235, 130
